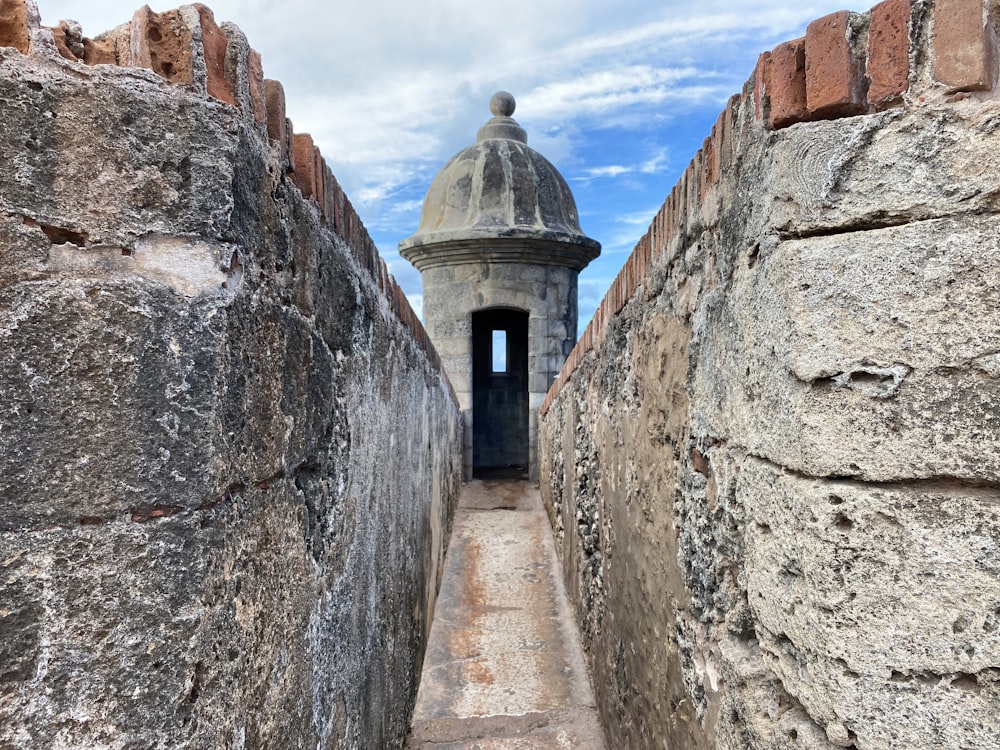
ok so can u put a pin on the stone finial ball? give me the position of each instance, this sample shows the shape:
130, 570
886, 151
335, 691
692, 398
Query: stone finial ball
502, 104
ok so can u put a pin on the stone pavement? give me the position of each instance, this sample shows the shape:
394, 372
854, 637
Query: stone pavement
504, 669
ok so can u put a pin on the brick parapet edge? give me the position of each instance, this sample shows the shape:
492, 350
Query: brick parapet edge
846, 65
186, 47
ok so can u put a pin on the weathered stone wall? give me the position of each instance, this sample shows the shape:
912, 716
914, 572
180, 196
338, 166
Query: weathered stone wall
773, 461
229, 458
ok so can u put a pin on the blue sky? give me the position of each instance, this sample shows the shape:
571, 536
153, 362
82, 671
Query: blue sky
618, 94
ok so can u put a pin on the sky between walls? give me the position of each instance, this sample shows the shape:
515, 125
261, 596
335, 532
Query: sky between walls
618, 94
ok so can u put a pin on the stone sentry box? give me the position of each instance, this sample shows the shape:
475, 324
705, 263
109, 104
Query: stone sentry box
499, 247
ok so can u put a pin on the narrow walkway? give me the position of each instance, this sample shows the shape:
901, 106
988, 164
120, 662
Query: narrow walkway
504, 668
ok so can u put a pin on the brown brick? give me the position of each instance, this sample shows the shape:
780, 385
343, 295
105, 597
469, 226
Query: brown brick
14, 25
369, 253
255, 76
720, 139
383, 275
692, 180
304, 164
786, 84
963, 46
319, 184
833, 73
215, 45
274, 101
670, 221
337, 206
705, 168
726, 146
760, 75
399, 303
346, 219
329, 201
161, 42
100, 52
62, 36
889, 52
662, 231
642, 260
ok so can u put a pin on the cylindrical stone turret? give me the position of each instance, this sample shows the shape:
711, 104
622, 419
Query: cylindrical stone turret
499, 249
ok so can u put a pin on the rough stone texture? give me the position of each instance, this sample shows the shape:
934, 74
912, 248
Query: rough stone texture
202, 542
772, 462
163, 42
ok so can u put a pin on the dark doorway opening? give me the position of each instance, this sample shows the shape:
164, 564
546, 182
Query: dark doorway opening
499, 391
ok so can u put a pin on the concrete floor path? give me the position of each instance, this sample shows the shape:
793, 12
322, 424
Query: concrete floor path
504, 669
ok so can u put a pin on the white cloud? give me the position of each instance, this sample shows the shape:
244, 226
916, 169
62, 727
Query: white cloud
657, 162
383, 84
613, 170
390, 89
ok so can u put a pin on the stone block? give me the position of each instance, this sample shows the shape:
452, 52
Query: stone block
105, 50
532, 273
244, 74
832, 480
215, 50
125, 464
882, 169
884, 598
883, 362
713, 168
454, 347
538, 383
187, 46
180, 421
162, 42
255, 80
77, 175
68, 40
760, 76
26, 250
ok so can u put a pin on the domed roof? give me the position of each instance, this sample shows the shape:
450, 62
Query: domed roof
497, 193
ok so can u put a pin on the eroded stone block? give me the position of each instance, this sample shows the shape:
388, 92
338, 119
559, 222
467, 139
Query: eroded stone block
877, 605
